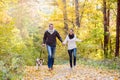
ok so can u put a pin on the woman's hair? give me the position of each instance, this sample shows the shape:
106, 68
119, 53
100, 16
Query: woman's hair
72, 30
71, 36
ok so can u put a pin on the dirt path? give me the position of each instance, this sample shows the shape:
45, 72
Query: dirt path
63, 72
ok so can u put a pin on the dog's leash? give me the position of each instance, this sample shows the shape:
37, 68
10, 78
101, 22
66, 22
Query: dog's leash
41, 52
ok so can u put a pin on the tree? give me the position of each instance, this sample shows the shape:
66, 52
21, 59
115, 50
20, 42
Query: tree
106, 31
81, 16
117, 30
77, 13
19, 15
65, 16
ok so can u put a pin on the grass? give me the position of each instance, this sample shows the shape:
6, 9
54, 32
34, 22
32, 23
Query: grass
105, 64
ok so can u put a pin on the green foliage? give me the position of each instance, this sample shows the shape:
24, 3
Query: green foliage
92, 46
103, 64
12, 67
6, 37
17, 22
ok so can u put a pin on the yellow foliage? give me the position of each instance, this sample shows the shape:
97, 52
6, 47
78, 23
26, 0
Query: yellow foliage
63, 72
5, 18
60, 5
4, 5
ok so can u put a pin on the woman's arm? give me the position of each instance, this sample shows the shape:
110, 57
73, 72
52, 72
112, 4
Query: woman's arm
76, 39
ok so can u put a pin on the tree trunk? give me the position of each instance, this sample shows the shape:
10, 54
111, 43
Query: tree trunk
117, 30
81, 16
77, 13
65, 16
106, 33
108, 17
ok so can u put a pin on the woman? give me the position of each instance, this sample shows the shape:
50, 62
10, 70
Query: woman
72, 48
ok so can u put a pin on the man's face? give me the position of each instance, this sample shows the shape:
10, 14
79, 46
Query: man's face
51, 27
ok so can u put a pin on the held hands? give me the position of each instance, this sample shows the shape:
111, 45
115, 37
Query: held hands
63, 44
43, 45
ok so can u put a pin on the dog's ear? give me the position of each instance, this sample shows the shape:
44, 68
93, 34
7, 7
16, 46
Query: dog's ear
42, 60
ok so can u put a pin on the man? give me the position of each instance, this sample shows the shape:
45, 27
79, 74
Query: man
50, 40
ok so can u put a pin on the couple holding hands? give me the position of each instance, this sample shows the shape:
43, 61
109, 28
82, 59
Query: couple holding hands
49, 40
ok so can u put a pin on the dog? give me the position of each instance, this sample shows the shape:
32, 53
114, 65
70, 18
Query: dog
39, 62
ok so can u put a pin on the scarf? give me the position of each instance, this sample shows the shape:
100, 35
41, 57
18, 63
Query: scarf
71, 36
51, 31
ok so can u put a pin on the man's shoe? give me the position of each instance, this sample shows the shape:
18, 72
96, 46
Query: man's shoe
49, 69
52, 68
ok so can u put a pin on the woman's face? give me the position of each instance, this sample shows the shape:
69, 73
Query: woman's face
71, 32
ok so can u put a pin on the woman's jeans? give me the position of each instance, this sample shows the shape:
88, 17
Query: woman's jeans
71, 53
51, 54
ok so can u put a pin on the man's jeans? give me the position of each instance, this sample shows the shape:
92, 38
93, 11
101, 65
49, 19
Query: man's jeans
51, 54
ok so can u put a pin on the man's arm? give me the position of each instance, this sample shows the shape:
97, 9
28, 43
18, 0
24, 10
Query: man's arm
45, 37
58, 36
66, 39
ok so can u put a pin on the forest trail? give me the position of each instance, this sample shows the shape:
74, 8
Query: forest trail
63, 72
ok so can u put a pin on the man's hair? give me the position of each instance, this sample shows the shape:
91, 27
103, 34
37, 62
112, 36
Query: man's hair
72, 29
50, 24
